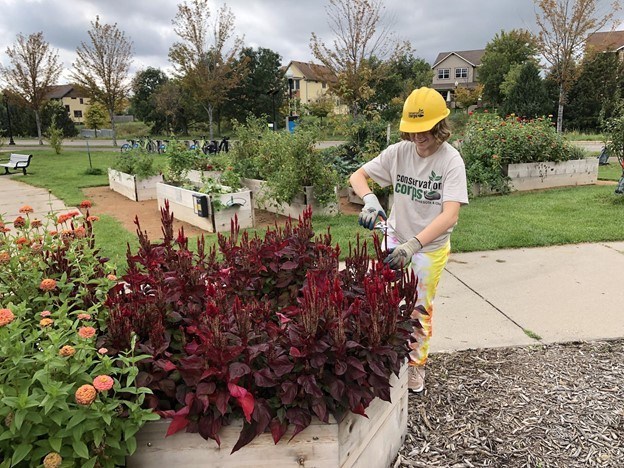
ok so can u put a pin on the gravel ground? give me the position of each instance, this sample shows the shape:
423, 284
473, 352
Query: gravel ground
541, 406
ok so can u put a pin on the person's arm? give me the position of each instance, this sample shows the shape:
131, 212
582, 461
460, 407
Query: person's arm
441, 223
359, 182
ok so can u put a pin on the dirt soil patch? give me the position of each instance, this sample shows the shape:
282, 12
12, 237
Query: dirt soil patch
109, 202
559, 405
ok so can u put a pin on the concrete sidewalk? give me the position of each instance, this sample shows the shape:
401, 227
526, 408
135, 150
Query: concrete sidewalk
485, 299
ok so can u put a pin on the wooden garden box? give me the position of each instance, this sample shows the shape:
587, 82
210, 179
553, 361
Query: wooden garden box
129, 186
540, 175
293, 209
355, 442
184, 205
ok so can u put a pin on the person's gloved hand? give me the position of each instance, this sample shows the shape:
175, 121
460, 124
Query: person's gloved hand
372, 209
401, 255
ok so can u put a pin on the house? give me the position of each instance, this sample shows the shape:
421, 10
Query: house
307, 82
456, 69
612, 41
73, 99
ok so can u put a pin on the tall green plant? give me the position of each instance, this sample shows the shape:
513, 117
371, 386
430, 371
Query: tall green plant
55, 136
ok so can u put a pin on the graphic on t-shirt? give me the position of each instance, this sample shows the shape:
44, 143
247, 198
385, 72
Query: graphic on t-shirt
419, 189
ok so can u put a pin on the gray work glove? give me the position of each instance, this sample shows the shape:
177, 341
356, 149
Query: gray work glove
402, 255
372, 209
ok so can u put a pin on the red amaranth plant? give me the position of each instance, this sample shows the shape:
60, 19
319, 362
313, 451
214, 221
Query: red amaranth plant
273, 333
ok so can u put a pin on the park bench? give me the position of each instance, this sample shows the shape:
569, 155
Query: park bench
17, 161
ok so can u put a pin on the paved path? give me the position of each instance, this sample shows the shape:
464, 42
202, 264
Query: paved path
486, 299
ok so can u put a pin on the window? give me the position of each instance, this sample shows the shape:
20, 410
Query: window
297, 84
324, 85
81, 101
461, 73
67, 108
444, 73
78, 114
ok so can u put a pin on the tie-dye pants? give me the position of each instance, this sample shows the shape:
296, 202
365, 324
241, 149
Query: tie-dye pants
428, 267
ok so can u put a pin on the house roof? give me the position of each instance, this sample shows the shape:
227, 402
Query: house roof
603, 41
473, 57
61, 91
314, 72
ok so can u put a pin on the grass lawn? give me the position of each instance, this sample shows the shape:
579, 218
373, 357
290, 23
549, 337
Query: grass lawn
612, 171
527, 219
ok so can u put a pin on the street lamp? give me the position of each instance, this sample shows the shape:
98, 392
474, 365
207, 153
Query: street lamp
6, 103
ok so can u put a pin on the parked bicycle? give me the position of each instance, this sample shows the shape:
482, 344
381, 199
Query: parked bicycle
146, 143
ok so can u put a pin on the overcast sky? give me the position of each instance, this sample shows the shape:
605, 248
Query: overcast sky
285, 26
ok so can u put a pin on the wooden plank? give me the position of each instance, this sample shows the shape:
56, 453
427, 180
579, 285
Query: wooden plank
320, 445
122, 183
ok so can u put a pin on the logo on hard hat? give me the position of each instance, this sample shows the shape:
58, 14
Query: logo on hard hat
415, 115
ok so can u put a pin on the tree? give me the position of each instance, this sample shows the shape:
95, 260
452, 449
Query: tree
102, 67
95, 117
55, 111
144, 84
360, 37
170, 102
466, 97
261, 90
322, 107
564, 26
34, 68
203, 61
524, 92
504, 51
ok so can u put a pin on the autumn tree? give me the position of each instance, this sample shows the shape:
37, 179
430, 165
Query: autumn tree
360, 38
466, 97
564, 26
34, 67
103, 65
205, 57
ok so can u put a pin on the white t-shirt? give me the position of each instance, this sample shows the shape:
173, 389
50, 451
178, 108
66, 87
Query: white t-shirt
420, 186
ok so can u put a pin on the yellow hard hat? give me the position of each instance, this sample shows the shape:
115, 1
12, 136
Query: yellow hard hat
424, 108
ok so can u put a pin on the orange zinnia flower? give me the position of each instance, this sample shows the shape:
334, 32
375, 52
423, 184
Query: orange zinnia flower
93, 218
5, 257
52, 460
19, 222
26, 209
67, 351
6, 317
47, 284
102, 383
80, 232
46, 322
35, 223
85, 395
112, 277
85, 204
86, 332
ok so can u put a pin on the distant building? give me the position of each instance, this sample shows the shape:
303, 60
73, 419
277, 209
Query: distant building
610, 41
452, 70
307, 82
75, 102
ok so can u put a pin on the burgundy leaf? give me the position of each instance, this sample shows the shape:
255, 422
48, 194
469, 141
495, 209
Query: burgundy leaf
265, 378
278, 429
289, 392
281, 365
238, 369
244, 398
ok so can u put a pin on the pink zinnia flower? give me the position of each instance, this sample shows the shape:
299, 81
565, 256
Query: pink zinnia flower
84, 316
46, 313
86, 332
103, 350
102, 383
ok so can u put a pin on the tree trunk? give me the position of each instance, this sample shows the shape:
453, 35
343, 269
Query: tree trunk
38, 121
560, 109
111, 113
210, 109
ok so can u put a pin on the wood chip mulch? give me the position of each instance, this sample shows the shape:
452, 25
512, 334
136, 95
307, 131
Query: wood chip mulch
558, 405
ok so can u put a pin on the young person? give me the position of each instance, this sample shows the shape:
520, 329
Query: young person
428, 177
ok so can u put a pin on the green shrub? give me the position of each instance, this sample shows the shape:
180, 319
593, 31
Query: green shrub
131, 129
491, 143
137, 162
55, 136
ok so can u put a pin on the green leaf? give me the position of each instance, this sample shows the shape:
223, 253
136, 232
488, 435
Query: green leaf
131, 445
76, 419
20, 453
20, 415
81, 449
55, 443
91, 463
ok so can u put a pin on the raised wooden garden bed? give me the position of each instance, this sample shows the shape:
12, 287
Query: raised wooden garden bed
186, 205
540, 175
355, 442
129, 186
295, 208
196, 176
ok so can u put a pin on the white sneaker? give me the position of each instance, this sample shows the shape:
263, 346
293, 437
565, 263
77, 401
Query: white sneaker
415, 379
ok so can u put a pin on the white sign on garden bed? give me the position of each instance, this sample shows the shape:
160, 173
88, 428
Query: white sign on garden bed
183, 205
355, 442
539, 175
129, 186
293, 209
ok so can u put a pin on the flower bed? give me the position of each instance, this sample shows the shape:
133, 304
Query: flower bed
131, 187
271, 332
219, 210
